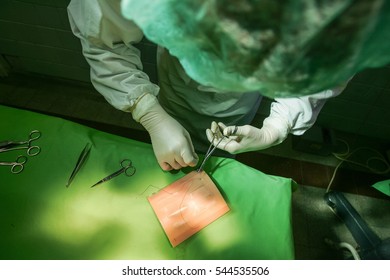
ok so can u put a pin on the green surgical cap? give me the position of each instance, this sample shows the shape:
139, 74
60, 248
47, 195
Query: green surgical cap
280, 48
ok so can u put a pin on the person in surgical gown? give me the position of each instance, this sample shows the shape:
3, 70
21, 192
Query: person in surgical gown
177, 111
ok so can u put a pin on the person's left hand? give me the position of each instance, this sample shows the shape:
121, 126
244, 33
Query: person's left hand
239, 139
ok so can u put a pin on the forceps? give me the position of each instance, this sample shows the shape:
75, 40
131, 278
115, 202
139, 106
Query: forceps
126, 167
211, 148
10, 145
17, 166
81, 160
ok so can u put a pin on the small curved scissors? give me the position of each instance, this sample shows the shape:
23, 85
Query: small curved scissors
13, 145
17, 166
126, 167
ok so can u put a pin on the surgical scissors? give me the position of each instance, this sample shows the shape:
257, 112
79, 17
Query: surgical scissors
17, 166
6, 146
126, 167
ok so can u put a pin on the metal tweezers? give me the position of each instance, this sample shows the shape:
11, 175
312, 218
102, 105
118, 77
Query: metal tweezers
209, 152
81, 160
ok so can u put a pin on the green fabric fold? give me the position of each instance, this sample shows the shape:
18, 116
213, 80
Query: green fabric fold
383, 186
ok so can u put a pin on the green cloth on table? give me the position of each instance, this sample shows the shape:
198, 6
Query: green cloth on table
42, 219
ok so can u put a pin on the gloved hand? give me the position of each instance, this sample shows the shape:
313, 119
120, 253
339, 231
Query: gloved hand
171, 143
239, 139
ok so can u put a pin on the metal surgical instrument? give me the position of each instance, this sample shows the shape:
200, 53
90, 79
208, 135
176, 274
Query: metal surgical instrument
211, 148
126, 167
80, 161
17, 166
10, 145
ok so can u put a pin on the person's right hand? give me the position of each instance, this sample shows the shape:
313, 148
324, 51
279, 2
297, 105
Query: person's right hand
171, 142
240, 139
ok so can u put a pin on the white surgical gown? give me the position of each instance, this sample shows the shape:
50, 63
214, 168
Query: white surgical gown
116, 72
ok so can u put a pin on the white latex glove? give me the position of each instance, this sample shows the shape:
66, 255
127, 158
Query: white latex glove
171, 143
239, 139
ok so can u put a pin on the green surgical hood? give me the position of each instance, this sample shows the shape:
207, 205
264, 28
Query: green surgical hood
280, 48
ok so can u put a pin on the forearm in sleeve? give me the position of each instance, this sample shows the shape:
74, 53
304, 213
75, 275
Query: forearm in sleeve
117, 75
116, 68
298, 114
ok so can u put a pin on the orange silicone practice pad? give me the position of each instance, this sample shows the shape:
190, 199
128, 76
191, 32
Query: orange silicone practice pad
188, 205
